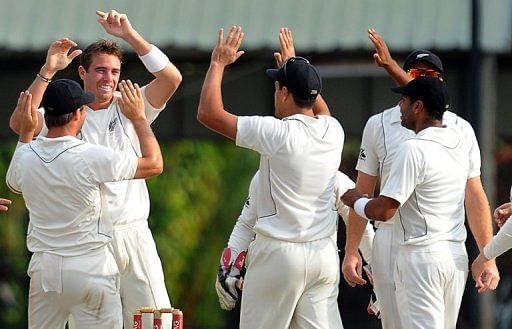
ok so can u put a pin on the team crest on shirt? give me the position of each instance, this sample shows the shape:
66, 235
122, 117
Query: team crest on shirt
362, 155
112, 124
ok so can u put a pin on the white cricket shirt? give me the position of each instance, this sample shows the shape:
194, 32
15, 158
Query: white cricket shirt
61, 180
300, 156
128, 201
428, 178
384, 135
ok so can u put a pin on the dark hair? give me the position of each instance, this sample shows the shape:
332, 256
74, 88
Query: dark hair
300, 102
434, 113
57, 120
101, 46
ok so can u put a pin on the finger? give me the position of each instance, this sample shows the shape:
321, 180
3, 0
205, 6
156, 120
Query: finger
220, 36
117, 19
239, 54
74, 54
101, 14
239, 39
138, 91
234, 34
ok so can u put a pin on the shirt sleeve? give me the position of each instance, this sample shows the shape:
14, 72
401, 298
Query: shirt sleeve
475, 160
108, 165
368, 160
407, 171
500, 243
243, 233
12, 177
261, 134
151, 112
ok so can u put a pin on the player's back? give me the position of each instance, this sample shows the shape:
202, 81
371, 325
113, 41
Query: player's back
61, 181
297, 180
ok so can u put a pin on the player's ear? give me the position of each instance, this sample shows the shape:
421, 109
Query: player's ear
81, 72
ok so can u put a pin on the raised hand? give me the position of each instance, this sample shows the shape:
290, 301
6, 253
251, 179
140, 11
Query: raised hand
227, 51
131, 102
27, 115
115, 23
382, 56
59, 56
287, 47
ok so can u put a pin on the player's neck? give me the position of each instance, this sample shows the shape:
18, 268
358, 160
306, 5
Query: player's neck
99, 105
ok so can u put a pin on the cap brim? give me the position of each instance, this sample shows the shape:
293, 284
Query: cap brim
273, 74
399, 90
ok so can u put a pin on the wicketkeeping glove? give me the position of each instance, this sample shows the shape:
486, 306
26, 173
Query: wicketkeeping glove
229, 281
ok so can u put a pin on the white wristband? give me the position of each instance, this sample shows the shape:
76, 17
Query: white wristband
359, 206
155, 60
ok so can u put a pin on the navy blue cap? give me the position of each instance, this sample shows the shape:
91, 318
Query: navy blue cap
424, 56
299, 76
430, 90
65, 96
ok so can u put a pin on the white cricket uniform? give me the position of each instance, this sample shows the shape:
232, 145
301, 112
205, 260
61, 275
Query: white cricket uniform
243, 232
293, 264
428, 178
72, 271
383, 137
133, 246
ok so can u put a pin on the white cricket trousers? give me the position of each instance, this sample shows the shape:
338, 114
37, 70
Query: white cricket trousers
383, 265
430, 282
86, 287
142, 275
291, 285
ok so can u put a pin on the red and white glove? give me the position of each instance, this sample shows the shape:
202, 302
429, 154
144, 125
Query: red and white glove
229, 281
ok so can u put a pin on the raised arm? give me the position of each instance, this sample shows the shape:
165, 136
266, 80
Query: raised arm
287, 51
132, 105
382, 58
167, 76
211, 112
58, 57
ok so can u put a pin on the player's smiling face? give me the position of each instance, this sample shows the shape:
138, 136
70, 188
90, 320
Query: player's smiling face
101, 78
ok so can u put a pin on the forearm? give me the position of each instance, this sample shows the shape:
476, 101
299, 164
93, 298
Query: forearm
355, 229
151, 162
500, 243
397, 73
210, 103
320, 107
478, 213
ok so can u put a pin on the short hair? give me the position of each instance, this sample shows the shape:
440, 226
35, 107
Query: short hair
101, 46
57, 120
300, 102
434, 113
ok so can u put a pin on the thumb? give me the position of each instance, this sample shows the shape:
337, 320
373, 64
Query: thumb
239, 54
74, 54
279, 58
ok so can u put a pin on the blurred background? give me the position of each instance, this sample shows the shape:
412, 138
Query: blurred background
196, 201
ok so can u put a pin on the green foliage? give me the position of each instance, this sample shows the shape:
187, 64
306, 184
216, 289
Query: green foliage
194, 206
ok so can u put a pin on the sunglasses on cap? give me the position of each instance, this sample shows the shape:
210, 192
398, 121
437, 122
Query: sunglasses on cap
291, 60
416, 73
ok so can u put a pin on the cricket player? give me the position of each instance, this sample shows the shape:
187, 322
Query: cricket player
229, 279
292, 266
427, 181
62, 179
142, 279
383, 138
